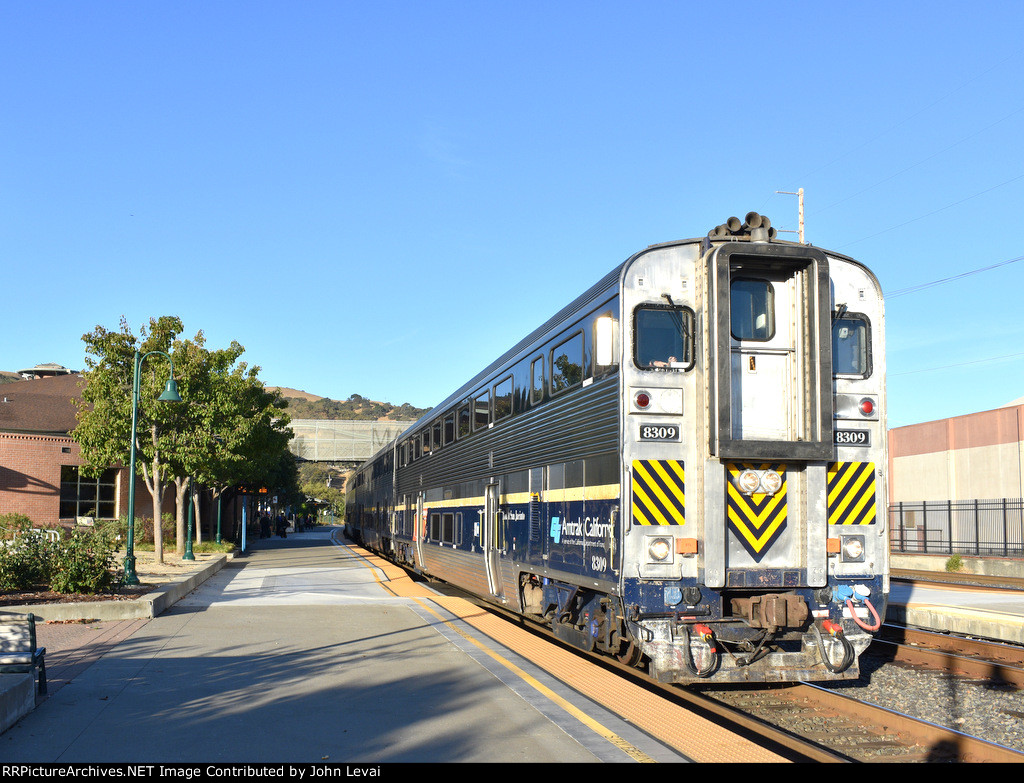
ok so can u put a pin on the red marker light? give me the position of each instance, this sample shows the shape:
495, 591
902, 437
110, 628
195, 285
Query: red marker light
867, 406
642, 400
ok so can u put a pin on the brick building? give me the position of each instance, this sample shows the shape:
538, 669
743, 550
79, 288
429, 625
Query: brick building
40, 461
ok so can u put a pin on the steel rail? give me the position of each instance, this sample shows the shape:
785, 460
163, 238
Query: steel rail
946, 744
966, 657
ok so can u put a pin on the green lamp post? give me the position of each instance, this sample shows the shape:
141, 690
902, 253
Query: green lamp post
188, 534
170, 394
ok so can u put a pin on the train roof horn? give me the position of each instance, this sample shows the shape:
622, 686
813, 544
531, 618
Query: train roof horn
754, 228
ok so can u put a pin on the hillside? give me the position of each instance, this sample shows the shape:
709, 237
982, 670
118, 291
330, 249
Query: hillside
302, 405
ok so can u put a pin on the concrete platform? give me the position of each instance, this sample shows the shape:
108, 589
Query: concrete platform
18, 695
988, 614
299, 653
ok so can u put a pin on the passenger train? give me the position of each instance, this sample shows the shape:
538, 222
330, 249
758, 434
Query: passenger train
685, 467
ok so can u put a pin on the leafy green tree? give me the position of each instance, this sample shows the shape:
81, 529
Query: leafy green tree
231, 430
105, 407
228, 430
320, 483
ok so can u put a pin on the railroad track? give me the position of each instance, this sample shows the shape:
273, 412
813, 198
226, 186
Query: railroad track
962, 580
859, 731
802, 723
807, 722
992, 662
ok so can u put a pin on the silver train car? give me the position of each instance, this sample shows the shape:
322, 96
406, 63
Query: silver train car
684, 467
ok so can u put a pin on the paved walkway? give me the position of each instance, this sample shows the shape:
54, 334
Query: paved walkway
294, 653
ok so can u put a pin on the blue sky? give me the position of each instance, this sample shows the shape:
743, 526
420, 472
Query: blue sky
379, 198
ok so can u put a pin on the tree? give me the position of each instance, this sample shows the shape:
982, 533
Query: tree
318, 482
228, 430
105, 408
242, 429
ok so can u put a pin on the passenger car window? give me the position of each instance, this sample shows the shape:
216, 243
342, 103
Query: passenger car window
752, 303
537, 381
481, 411
465, 421
567, 364
503, 399
851, 354
663, 337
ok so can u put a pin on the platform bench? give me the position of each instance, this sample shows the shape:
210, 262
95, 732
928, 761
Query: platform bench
18, 651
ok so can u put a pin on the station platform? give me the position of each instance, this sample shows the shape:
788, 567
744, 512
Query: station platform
309, 650
989, 614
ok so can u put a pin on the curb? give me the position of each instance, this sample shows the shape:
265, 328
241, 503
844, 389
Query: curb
17, 698
147, 606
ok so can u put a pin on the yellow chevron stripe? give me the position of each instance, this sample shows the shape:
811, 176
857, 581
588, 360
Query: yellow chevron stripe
851, 493
659, 492
650, 487
757, 519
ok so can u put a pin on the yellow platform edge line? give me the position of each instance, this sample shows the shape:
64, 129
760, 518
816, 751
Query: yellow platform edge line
399, 584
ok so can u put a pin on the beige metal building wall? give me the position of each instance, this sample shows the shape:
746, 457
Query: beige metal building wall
969, 457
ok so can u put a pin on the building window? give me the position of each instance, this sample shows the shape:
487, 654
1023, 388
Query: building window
85, 496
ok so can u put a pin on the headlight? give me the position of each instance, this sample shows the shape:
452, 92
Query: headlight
748, 482
771, 482
767, 482
853, 549
659, 550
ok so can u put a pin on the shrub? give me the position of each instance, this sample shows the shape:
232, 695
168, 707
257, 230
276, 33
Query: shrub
83, 562
25, 554
12, 524
16, 572
955, 564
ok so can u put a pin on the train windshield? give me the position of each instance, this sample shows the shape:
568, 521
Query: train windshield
663, 337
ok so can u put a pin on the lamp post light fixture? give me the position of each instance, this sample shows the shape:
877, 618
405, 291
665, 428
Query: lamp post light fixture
170, 394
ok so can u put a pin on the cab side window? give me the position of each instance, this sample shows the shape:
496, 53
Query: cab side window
851, 346
663, 337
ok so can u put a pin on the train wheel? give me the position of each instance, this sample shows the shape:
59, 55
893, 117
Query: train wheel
629, 654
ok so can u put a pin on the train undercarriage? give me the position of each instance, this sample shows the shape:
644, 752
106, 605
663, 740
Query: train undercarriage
769, 637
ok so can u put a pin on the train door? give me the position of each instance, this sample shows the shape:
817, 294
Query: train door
538, 535
771, 383
419, 529
493, 540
